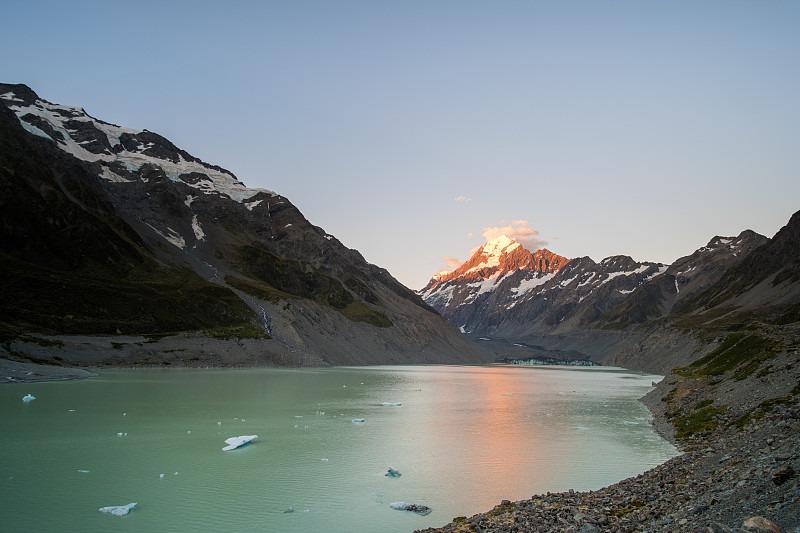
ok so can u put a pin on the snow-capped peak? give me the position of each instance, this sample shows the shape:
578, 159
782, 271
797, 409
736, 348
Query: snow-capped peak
490, 254
500, 245
490, 264
118, 150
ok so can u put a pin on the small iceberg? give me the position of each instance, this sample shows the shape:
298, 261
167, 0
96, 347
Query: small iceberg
392, 473
235, 442
413, 507
28, 397
357, 421
393, 404
118, 510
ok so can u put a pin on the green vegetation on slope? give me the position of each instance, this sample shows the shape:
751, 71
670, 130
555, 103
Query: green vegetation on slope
144, 301
701, 418
741, 353
281, 279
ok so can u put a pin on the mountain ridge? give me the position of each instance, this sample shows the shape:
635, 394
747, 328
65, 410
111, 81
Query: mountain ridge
643, 316
134, 230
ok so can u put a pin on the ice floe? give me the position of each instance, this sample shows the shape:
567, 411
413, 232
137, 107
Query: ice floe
358, 421
28, 397
235, 442
413, 507
392, 473
393, 404
118, 510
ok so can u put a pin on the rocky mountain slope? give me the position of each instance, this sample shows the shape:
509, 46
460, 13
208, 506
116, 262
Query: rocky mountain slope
501, 269
546, 294
112, 231
587, 310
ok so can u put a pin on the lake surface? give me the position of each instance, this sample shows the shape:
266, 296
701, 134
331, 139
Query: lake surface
464, 438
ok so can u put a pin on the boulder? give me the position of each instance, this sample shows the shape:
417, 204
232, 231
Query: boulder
759, 524
783, 474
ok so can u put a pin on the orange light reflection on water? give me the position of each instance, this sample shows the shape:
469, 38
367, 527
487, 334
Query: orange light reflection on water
507, 449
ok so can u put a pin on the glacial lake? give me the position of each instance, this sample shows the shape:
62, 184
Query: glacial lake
463, 437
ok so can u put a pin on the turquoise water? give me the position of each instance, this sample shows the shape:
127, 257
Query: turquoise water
464, 438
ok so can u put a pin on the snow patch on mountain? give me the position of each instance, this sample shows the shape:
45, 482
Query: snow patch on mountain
171, 236
62, 118
613, 275
526, 286
198, 230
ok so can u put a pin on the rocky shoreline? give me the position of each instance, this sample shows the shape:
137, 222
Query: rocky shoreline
739, 475
715, 488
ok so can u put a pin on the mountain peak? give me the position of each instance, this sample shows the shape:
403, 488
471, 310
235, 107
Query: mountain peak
497, 258
499, 244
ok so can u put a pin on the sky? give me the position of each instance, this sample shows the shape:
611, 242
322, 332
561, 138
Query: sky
414, 131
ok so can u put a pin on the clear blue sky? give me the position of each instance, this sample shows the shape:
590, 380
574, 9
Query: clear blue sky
410, 129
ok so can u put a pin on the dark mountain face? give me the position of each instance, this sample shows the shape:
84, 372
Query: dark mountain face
684, 279
765, 284
109, 230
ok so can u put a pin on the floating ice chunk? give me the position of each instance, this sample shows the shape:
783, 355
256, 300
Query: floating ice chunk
235, 442
324, 459
118, 510
413, 507
398, 404
161, 476
392, 473
289, 510
358, 420
83, 471
28, 397
580, 428
627, 423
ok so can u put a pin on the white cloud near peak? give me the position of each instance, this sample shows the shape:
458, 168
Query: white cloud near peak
519, 230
